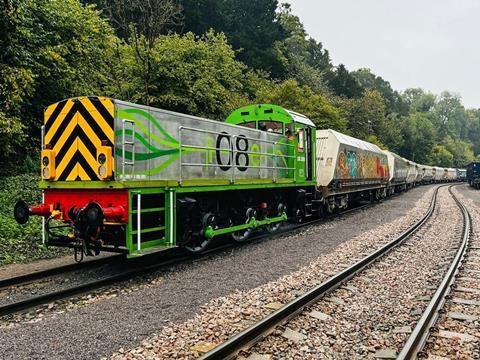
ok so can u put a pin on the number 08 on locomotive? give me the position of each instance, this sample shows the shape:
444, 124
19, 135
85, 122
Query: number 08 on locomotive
127, 178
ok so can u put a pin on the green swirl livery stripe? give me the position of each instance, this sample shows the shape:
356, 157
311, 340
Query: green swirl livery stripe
146, 156
151, 119
160, 167
140, 138
127, 114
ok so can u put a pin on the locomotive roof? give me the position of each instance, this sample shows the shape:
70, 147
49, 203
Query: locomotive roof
258, 112
299, 118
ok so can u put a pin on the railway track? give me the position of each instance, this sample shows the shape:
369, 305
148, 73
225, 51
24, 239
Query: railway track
257, 332
154, 262
426, 325
42, 274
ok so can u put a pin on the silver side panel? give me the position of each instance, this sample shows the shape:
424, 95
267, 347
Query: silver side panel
174, 146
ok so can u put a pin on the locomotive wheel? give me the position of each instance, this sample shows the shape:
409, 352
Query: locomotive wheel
243, 235
274, 227
199, 243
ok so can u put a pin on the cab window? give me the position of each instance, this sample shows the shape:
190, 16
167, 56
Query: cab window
250, 124
271, 126
289, 131
301, 140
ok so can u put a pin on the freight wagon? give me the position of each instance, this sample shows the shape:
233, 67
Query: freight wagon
398, 172
347, 166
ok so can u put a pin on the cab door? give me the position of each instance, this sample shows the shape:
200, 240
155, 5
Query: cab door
305, 153
309, 154
301, 156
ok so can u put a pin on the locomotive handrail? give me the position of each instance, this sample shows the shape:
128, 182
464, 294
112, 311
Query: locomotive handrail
42, 135
232, 157
203, 131
249, 166
139, 221
232, 151
243, 152
180, 155
124, 143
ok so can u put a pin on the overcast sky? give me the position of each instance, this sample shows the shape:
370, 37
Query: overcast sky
432, 44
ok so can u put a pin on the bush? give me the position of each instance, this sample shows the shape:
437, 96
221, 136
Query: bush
21, 242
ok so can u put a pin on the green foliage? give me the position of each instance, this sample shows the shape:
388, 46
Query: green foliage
15, 85
393, 100
343, 83
419, 137
20, 242
374, 140
51, 50
419, 100
303, 58
461, 150
440, 156
318, 108
250, 26
189, 74
365, 114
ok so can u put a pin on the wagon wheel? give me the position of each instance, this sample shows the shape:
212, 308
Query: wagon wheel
243, 235
199, 243
274, 227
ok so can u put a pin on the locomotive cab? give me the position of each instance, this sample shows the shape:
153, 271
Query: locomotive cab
297, 129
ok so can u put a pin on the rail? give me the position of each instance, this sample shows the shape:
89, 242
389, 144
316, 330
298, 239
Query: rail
159, 261
258, 331
420, 333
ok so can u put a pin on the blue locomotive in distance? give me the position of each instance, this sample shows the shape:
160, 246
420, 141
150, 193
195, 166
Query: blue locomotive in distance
473, 174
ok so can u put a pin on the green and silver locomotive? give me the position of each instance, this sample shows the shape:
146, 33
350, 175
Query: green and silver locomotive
128, 178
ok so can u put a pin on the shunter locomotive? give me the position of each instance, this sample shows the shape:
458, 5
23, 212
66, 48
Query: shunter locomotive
122, 177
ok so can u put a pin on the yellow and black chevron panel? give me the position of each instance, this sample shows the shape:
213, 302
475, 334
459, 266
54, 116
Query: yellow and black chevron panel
75, 129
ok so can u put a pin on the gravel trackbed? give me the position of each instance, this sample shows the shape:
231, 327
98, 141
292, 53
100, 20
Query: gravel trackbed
125, 321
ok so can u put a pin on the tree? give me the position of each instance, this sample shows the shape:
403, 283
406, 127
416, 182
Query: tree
343, 83
449, 115
189, 74
365, 115
51, 50
304, 100
419, 137
440, 156
389, 132
419, 100
474, 129
140, 23
250, 26
461, 150
393, 101
304, 59
134, 18
16, 84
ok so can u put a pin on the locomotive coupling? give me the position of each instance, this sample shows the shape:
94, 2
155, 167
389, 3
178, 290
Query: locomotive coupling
89, 220
22, 211
95, 215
